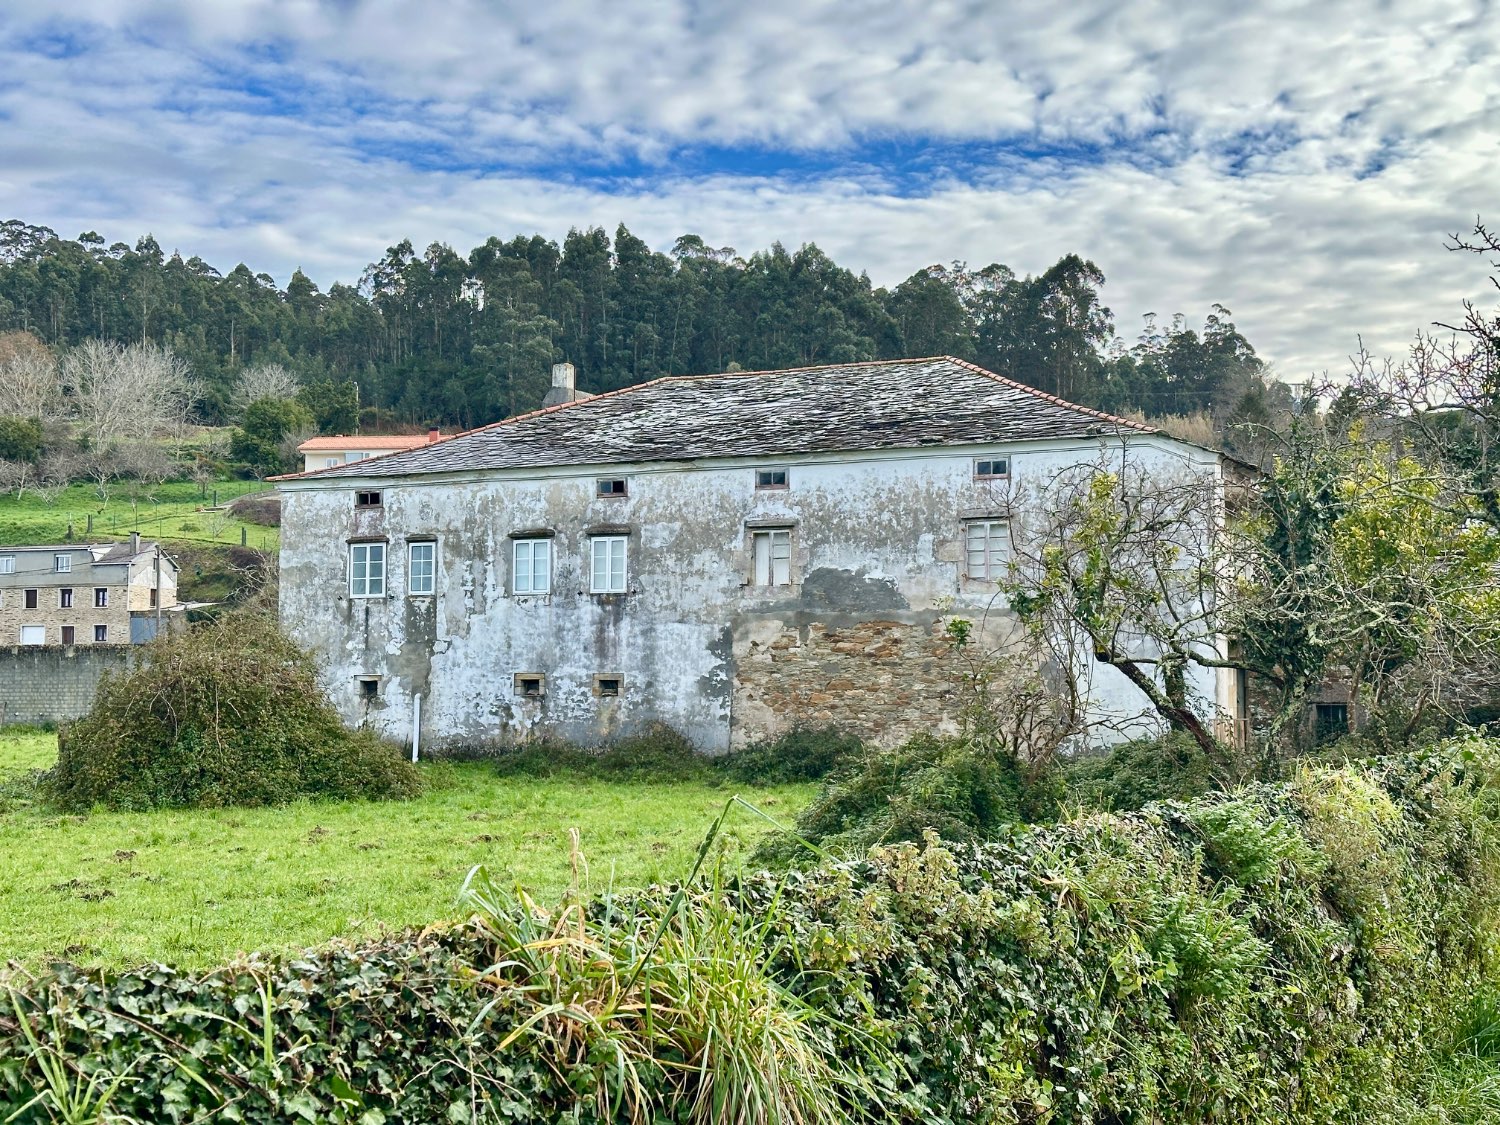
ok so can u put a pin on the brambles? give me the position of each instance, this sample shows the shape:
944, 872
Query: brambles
229, 713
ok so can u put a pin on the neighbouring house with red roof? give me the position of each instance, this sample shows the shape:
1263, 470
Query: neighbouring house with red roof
329, 452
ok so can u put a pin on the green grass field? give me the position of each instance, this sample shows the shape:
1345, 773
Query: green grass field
168, 512
195, 887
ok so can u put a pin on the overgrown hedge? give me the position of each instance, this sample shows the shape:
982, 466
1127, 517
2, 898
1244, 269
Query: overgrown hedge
228, 713
1284, 954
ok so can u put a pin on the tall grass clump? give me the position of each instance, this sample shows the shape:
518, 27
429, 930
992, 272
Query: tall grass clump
228, 713
669, 1006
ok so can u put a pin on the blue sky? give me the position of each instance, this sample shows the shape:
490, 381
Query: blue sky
1298, 162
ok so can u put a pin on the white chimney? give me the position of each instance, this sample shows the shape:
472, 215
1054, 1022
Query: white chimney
564, 386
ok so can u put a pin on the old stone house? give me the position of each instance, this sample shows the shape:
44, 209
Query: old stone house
85, 594
729, 554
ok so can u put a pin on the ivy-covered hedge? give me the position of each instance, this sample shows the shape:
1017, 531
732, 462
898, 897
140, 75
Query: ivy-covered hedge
1285, 954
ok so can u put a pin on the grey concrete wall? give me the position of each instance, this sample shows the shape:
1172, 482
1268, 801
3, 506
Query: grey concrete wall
52, 684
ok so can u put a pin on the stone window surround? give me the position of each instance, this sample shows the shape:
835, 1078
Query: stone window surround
766, 475
990, 462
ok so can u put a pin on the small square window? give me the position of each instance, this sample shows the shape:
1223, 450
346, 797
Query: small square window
30, 599
992, 468
101, 597
7, 564
65, 598
62, 563
69, 635
369, 687
610, 486
1330, 721
770, 478
101, 634
367, 499
531, 685
609, 686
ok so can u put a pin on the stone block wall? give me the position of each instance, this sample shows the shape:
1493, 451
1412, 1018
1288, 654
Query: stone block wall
883, 679
54, 684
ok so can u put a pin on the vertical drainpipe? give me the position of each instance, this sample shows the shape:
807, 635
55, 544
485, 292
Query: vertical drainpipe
158, 588
416, 724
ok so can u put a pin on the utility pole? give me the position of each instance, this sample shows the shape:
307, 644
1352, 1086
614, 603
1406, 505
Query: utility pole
158, 587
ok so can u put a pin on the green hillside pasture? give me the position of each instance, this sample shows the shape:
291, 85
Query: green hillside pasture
170, 512
194, 887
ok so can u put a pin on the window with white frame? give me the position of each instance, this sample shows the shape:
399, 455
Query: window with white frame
7, 564
62, 563
531, 566
367, 570
772, 550
992, 468
607, 555
986, 549
421, 566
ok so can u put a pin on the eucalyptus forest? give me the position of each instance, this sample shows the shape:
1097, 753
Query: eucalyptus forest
441, 337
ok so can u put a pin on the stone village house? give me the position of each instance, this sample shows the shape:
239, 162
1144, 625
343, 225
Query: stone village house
81, 594
728, 554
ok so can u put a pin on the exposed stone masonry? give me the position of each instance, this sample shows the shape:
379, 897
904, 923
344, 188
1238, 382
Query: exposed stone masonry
885, 680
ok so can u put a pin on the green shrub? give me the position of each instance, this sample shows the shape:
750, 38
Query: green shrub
1135, 773
658, 754
663, 754
1316, 952
802, 754
228, 713
950, 786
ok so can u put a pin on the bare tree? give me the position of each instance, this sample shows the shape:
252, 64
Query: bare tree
1444, 395
30, 385
1350, 560
265, 380
126, 393
1114, 564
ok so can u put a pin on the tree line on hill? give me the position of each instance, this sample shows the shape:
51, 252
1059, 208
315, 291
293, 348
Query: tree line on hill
437, 337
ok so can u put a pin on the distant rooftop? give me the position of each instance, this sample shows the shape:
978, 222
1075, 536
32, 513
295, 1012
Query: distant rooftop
368, 441
101, 552
889, 404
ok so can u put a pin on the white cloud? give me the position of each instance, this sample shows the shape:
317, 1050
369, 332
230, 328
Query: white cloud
1238, 144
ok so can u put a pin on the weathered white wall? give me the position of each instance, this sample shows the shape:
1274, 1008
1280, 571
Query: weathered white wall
877, 537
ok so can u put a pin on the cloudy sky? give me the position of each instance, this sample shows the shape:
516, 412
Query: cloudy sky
1300, 162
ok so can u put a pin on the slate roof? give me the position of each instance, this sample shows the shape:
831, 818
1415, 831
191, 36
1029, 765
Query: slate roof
888, 404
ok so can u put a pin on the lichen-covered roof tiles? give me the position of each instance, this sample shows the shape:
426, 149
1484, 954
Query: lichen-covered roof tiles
889, 404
